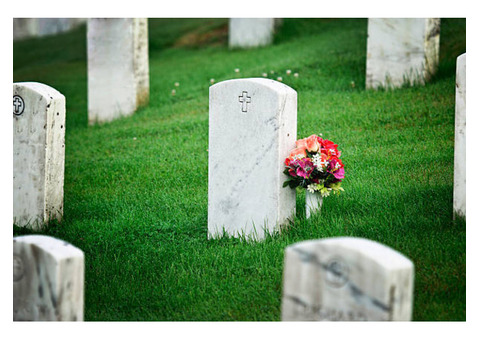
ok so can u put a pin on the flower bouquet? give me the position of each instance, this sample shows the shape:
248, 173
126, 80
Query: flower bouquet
315, 165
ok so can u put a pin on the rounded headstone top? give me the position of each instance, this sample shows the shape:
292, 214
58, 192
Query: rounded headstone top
42, 89
269, 83
57, 248
381, 254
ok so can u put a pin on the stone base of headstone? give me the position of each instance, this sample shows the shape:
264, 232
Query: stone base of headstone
48, 280
346, 279
401, 51
38, 154
459, 184
118, 69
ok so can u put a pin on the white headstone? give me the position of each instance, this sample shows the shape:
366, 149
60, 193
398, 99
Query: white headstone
48, 280
118, 70
401, 51
252, 128
346, 279
250, 32
459, 186
38, 154
37, 27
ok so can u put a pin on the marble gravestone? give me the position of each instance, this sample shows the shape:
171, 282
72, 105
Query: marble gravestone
401, 51
252, 129
24, 28
459, 185
250, 32
38, 154
118, 69
346, 279
48, 279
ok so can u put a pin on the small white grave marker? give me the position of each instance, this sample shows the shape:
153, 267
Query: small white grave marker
346, 279
250, 32
459, 185
38, 154
48, 280
401, 51
252, 128
118, 70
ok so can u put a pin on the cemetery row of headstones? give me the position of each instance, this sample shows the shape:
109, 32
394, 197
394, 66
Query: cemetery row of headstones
399, 51
118, 83
333, 279
259, 117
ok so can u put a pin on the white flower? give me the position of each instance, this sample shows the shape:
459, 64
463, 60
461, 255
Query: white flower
314, 187
212, 81
279, 78
326, 193
317, 161
237, 70
173, 92
295, 75
289, 71
264, 74
177, 84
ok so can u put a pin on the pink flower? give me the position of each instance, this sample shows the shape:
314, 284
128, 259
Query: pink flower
312, 143
339, 174
298, 153
335, 167
301, 143
305, 167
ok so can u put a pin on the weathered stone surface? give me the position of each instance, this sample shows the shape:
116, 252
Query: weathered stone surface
401, 51
118, 69
48, 280
251, 32
460, 158
346, 279
252, 128
38, 154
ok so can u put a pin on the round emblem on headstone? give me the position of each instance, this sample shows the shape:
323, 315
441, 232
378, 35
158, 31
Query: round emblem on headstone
18, 268
337, 273
18, 105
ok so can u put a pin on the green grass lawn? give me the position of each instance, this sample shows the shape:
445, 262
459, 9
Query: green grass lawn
136, 189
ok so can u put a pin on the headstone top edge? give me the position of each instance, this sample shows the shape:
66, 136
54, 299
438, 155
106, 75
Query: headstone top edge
52, 245
42, 89
270, 83
381, 253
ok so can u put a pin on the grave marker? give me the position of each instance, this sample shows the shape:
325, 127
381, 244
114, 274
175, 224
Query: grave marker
118, 70
38, 154
250, 32
24, 28
48, 280
252, 128
459, 185
401, 51
346, 279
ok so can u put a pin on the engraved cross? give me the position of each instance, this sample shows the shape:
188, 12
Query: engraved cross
17, 105
244, 99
